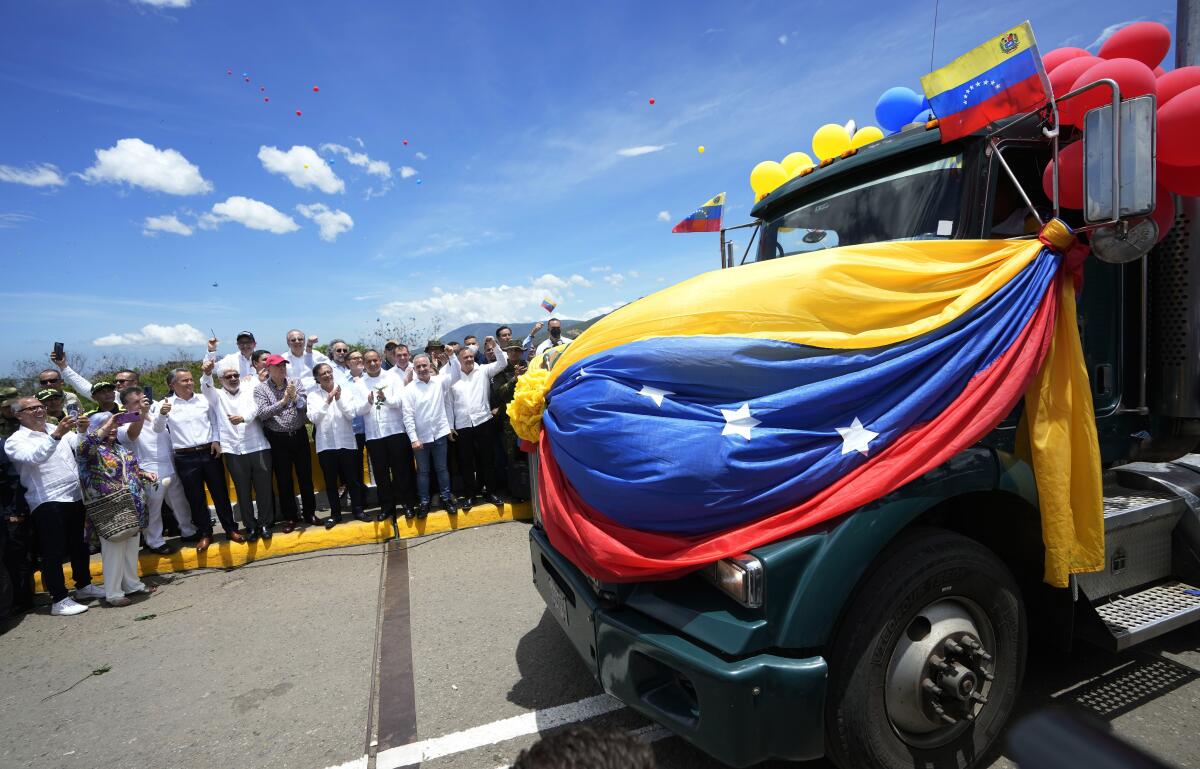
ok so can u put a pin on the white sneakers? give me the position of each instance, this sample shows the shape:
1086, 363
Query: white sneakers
91, 591
67, 607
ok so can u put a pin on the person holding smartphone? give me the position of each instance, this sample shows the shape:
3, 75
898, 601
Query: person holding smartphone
105, 395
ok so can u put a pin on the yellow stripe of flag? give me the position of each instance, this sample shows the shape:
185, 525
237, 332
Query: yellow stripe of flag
974, 63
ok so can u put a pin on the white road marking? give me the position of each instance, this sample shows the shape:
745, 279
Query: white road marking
490, 734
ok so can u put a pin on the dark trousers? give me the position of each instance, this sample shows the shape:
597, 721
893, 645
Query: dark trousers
343, 466
290, 451
252, 473
392, 465
60, 536
475, 460
197, 469
16, 551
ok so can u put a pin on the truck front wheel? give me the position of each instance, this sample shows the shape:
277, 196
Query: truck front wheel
926, 664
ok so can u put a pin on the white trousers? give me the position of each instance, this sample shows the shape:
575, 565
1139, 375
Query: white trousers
172, 490
120, 563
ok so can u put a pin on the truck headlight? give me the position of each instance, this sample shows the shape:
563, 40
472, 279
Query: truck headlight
739, 577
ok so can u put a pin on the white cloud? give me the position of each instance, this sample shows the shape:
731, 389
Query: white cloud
783, 39
179, 335
1105, 34
40, 175
169, 223
12, 220
471, 305
250, 213
664, 216
135, 162
301, 166
380, 168
644, 149
421, 156
166, 3
333, 222
614, 279
407, 171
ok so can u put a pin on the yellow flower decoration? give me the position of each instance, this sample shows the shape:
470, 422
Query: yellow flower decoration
528, 403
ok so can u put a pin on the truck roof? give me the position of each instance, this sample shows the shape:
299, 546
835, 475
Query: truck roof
889, 146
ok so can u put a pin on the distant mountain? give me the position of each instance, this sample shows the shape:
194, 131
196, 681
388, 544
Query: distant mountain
572, 328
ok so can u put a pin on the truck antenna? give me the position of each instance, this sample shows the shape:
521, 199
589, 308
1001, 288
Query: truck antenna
933, 41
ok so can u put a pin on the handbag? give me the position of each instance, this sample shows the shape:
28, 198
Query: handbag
114, 516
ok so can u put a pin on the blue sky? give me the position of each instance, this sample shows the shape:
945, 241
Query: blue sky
135, 173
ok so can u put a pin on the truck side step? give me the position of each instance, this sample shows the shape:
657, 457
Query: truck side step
1137, 617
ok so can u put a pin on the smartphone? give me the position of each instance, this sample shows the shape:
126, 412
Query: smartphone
148, 391
72, 409
125, 417
58, 351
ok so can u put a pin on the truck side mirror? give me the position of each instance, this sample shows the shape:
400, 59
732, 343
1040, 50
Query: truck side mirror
1135, 170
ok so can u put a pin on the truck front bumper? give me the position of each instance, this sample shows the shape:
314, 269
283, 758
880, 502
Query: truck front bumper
740, 711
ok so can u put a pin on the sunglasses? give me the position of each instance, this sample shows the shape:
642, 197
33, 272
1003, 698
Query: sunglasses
50, 381
229, 376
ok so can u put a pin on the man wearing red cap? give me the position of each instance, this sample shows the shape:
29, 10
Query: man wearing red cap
281, 408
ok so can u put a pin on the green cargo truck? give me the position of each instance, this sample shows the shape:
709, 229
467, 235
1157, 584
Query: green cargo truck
896, 635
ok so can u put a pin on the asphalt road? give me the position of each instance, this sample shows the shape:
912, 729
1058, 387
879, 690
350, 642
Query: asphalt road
275, 665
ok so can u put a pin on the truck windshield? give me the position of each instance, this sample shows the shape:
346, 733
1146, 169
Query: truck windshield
917, 203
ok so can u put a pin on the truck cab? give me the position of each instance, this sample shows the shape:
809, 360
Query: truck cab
896, 635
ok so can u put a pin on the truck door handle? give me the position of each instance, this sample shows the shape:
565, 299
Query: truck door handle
1103, 380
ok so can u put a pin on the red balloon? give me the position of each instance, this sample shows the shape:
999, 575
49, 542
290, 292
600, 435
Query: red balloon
315, 89
1070, 177
1062, 55
1145, 41
1065, 75
1159, 71
266, 98
652, 101
1177, 123
297, 113
1164, 211
1182, 180
1133, 78
247, 80
1176, 82
406, 142
228, 72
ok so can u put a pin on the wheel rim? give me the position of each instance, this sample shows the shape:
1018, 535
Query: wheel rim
941, 672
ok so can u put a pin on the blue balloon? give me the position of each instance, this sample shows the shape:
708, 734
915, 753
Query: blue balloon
924, 116
896, 107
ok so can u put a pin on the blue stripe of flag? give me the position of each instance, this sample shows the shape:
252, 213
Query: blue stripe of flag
705, 212
982, 87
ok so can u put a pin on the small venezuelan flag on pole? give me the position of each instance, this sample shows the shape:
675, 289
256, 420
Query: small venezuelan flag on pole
548, 305
707, 217
1002, 77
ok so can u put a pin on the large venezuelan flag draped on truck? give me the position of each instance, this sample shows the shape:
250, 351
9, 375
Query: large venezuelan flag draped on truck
746, 405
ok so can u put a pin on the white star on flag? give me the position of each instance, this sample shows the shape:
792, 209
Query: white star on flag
739, 422
654, 394
856, 437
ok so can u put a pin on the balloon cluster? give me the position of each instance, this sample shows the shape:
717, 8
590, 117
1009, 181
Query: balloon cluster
1132, 58
829, 141
900, 106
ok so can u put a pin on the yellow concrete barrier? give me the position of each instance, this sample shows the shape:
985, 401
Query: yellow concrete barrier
223, 554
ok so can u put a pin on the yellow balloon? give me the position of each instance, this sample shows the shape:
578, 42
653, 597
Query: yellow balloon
830, 140
795, 162
866, 135
766, 176
700, 149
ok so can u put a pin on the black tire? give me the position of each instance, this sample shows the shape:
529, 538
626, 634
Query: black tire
927, 566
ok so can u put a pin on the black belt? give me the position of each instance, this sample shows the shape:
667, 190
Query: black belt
194, 449
287, 434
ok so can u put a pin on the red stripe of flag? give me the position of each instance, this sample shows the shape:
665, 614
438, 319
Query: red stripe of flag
698, 225
1020, 97
614, 553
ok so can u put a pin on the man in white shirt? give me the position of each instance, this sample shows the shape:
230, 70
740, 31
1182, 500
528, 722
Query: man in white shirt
428, 426
197, 445
52, 379
302, 357
244, 447
49, 472
241, 361
402, 363
332, 408
154, 455
470, 392
387, 444
556, 340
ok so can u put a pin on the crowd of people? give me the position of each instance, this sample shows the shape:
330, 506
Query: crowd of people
433, 426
